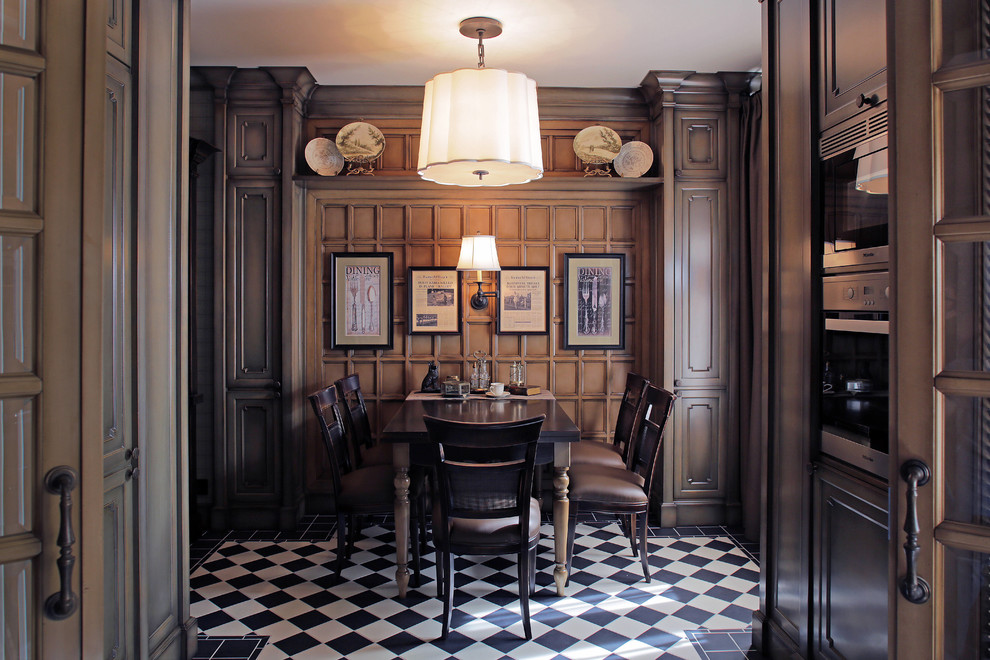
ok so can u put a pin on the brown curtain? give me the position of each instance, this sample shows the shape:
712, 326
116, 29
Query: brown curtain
748, 282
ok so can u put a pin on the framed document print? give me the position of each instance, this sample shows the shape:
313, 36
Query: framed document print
523, 300
594, 313
361, 304
434, 305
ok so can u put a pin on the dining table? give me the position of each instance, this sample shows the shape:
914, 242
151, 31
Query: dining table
407, 434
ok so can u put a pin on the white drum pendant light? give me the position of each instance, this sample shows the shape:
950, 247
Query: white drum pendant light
481, 127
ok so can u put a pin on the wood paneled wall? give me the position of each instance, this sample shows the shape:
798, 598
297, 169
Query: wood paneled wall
531, 230
422, 223
675, 296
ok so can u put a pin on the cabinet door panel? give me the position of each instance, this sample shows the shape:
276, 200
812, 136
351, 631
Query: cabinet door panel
850, 542
254, 290
254, 142
854, 52
699, 418
701, 282
254, 462
702, 139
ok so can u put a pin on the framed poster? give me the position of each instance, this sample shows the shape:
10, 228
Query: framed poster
361, 300
523, 300
434, 301
594, 310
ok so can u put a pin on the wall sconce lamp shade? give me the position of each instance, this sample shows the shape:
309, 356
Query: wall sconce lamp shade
478, 253
481, 127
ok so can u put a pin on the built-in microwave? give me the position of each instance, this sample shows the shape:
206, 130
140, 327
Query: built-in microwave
854, 198
854, 400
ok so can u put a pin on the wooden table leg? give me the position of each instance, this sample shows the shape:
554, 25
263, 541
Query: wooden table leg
400, 461
561, 506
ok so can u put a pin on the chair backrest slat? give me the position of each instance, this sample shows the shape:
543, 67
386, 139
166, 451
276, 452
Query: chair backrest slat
655, 411
351, 400
629, 408
325, 405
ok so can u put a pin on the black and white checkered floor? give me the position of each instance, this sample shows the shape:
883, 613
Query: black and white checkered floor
274, 598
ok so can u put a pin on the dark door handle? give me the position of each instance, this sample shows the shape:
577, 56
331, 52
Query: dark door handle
912, 586
868, 101
62, 604
276, 387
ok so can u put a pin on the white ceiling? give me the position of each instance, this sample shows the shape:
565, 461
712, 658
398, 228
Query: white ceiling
566, 43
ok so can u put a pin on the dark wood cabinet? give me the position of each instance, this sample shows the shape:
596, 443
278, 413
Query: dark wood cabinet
850, 533
853, 67
249, 471
825, 574
252, 339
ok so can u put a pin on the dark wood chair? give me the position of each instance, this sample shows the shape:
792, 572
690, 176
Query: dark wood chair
616, 454
357, 491
367, 453
483, 506
625, 492
352, 404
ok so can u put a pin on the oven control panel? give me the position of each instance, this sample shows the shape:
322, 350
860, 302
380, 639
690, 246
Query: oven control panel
856, 291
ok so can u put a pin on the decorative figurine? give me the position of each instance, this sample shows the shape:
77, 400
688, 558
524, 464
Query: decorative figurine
431, 383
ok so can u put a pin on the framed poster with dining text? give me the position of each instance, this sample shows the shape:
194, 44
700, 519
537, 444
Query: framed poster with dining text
434, 301
523, 300
361, 304
594, 312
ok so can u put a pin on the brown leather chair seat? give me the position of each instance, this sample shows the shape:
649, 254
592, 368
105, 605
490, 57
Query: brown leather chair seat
616, 453
478, 531
368, 486
380, 454
596, 453
593, 483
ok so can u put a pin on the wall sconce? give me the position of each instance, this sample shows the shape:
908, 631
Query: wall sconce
481, 127
478, 253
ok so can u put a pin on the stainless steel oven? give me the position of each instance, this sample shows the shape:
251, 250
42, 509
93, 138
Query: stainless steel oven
855, 370
854, 199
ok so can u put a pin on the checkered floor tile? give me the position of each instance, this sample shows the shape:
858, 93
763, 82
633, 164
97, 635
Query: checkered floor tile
283, 590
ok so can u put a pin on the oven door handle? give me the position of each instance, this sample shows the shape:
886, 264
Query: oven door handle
858, 325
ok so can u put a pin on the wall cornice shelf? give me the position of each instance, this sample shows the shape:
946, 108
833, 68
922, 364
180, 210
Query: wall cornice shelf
546, 184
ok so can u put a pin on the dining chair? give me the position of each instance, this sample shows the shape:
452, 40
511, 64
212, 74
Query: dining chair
357, 491
625, 492
367, 453
484, 504
616, 453
351, 398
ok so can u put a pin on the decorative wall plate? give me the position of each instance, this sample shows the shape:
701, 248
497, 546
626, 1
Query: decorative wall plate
597, 144
324, 157
360, 142
634, 159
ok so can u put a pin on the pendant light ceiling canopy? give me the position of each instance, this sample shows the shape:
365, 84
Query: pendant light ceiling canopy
481, 126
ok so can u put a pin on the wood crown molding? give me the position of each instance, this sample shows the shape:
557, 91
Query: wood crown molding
594, 104
691, 90
296, 83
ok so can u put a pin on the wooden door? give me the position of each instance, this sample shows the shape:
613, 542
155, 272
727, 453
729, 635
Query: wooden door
51, 315
121, 452
940, 475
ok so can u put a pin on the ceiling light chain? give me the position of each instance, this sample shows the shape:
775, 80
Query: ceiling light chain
481, 48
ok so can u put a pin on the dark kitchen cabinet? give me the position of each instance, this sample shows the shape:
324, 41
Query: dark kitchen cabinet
248, 475
853, 68
849, 541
